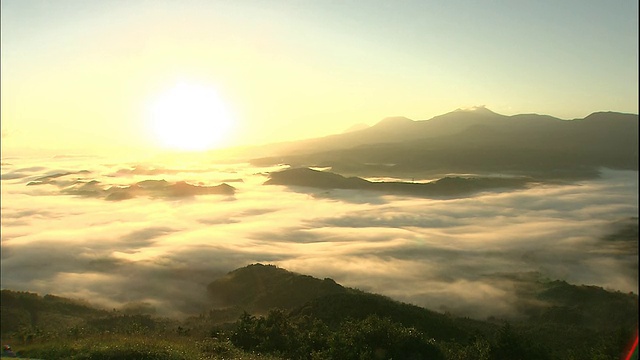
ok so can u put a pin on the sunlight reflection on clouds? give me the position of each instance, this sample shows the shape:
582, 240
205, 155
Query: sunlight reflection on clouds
435, 253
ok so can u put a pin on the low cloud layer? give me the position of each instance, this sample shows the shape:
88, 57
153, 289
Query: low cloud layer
443, 254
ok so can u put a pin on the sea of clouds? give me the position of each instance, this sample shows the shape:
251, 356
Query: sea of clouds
162, 249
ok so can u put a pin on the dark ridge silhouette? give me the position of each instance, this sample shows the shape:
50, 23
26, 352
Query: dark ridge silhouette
448, 186
561, 314
474, 141
392, 123
567, 320
152, 188
258, 288
317, 179
52, 179
83, 186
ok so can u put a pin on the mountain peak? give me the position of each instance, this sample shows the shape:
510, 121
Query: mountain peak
259, 287
475, 109
393, 121
611, 116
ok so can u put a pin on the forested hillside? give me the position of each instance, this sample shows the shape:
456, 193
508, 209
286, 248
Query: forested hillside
264, 311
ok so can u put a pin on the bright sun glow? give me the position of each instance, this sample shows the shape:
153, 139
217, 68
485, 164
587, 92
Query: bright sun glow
190, 117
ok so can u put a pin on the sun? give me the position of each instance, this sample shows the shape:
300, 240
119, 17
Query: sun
190, 117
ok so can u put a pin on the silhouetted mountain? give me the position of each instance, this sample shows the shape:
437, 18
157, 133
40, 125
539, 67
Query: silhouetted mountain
152, 188
563, 318
258, 288
392, 123
317, 179
478, 140
447, 186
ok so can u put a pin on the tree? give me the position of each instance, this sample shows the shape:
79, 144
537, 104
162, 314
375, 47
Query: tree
244, 336
510, 345
377, 338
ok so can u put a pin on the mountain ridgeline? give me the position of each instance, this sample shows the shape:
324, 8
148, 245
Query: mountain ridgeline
561, 320
450, 186
284, 315
473, 141
258, 288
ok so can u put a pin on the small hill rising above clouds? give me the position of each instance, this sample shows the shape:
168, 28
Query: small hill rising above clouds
560, 316
445, 187
475, 141
258, 288
564, 320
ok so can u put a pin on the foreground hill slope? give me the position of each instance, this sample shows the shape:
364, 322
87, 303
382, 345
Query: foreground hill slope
24, 309
259, 288
559, 315
300, 317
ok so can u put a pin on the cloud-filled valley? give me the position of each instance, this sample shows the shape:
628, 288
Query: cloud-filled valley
446, 254
209, 179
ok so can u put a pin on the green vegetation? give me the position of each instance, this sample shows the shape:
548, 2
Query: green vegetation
579, 322
139, 347
308, 338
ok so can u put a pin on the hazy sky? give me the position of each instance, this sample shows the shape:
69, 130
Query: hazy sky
81, 74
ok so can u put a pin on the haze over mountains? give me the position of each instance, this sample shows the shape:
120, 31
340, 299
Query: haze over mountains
473, 141
467, 213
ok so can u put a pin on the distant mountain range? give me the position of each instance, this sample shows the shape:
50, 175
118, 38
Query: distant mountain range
154, 188
450, 186
472, 141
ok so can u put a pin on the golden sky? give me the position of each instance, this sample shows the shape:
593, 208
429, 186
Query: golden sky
86, 75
